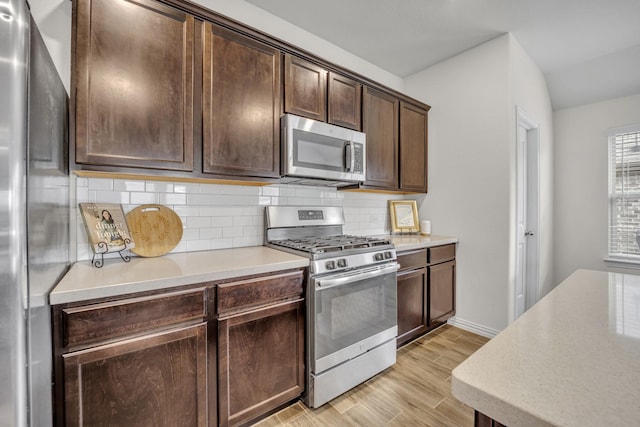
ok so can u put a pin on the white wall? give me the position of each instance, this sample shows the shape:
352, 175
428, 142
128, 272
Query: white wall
530, 95
581, 182
469, 172
472, 141
54, 20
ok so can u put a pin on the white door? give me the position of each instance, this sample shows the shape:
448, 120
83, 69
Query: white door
521, 222
527, 252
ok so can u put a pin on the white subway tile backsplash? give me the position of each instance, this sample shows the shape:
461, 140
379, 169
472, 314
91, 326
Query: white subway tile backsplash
236, 200
127, 185
247, 241
221, 221
210, 233
172, 199
159, 187
269, 190
202, 199
225, 216
121, 197
232, 211
222, 244
187, 187
189, 234
144, 198
198, 245
240, 221
101, 184
82, 194
198, 222
185, 211
232, 232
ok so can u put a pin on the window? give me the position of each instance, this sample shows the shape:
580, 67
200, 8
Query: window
624, 193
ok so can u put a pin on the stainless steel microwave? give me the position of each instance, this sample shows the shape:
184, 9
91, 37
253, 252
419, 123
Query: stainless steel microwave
314, 152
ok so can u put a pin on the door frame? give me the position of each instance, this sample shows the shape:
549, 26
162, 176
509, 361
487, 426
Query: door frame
531, 160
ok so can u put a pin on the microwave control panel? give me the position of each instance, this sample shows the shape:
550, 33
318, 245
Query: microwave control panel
358, 157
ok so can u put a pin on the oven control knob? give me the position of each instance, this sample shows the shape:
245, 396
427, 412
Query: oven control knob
330, 265
378, 256
342, 263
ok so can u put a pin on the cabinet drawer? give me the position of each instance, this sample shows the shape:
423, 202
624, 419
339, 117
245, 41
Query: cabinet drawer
254, 292
442, 253
412, 259
117, 319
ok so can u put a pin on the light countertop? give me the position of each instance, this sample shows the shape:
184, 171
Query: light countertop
83, 281
573, 359
407, 242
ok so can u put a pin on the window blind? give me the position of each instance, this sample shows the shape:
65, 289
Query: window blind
624, 193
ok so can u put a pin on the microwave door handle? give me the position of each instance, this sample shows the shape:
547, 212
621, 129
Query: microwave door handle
348, 156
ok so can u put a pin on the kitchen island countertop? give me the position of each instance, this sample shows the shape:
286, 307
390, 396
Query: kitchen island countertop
573, 359
84, 282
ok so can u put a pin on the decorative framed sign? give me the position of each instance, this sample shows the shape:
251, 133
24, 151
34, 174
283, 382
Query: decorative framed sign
404, 216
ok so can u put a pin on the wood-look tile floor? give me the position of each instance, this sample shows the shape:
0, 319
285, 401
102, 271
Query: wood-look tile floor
416, 391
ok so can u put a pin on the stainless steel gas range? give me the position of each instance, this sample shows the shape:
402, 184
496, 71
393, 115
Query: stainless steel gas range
351, 297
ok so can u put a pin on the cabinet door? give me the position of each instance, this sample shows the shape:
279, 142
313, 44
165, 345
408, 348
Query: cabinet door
413, 148
153, 380
305, 88
412, 305
442, 292
241, 105
133, 75
345, 102
380, 123
260, 361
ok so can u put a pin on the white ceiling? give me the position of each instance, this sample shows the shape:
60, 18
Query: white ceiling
589, 50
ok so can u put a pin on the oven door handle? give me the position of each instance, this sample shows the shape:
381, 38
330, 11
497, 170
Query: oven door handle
356, 277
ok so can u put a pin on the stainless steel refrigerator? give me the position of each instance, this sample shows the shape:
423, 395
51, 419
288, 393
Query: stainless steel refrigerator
34, 214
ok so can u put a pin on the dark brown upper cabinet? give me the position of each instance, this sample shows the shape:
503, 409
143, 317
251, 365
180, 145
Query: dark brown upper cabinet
413, 148
133, 85
305, 88
380, 124
241, 105
345, 101
313, 92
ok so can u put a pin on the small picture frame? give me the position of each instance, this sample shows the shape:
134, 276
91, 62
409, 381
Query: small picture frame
404, 216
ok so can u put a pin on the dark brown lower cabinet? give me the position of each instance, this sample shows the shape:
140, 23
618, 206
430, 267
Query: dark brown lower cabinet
152, 380
260, 361
442, 294
481, 420
412, 305
426, 290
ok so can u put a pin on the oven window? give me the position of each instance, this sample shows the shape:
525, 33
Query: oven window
347, 314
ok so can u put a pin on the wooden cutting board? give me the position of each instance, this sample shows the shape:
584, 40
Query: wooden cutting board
155, 229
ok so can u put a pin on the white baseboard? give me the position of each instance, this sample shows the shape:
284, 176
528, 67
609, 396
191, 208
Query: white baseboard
473, 327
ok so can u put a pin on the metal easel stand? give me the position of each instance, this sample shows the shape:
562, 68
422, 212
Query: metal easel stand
104, 249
